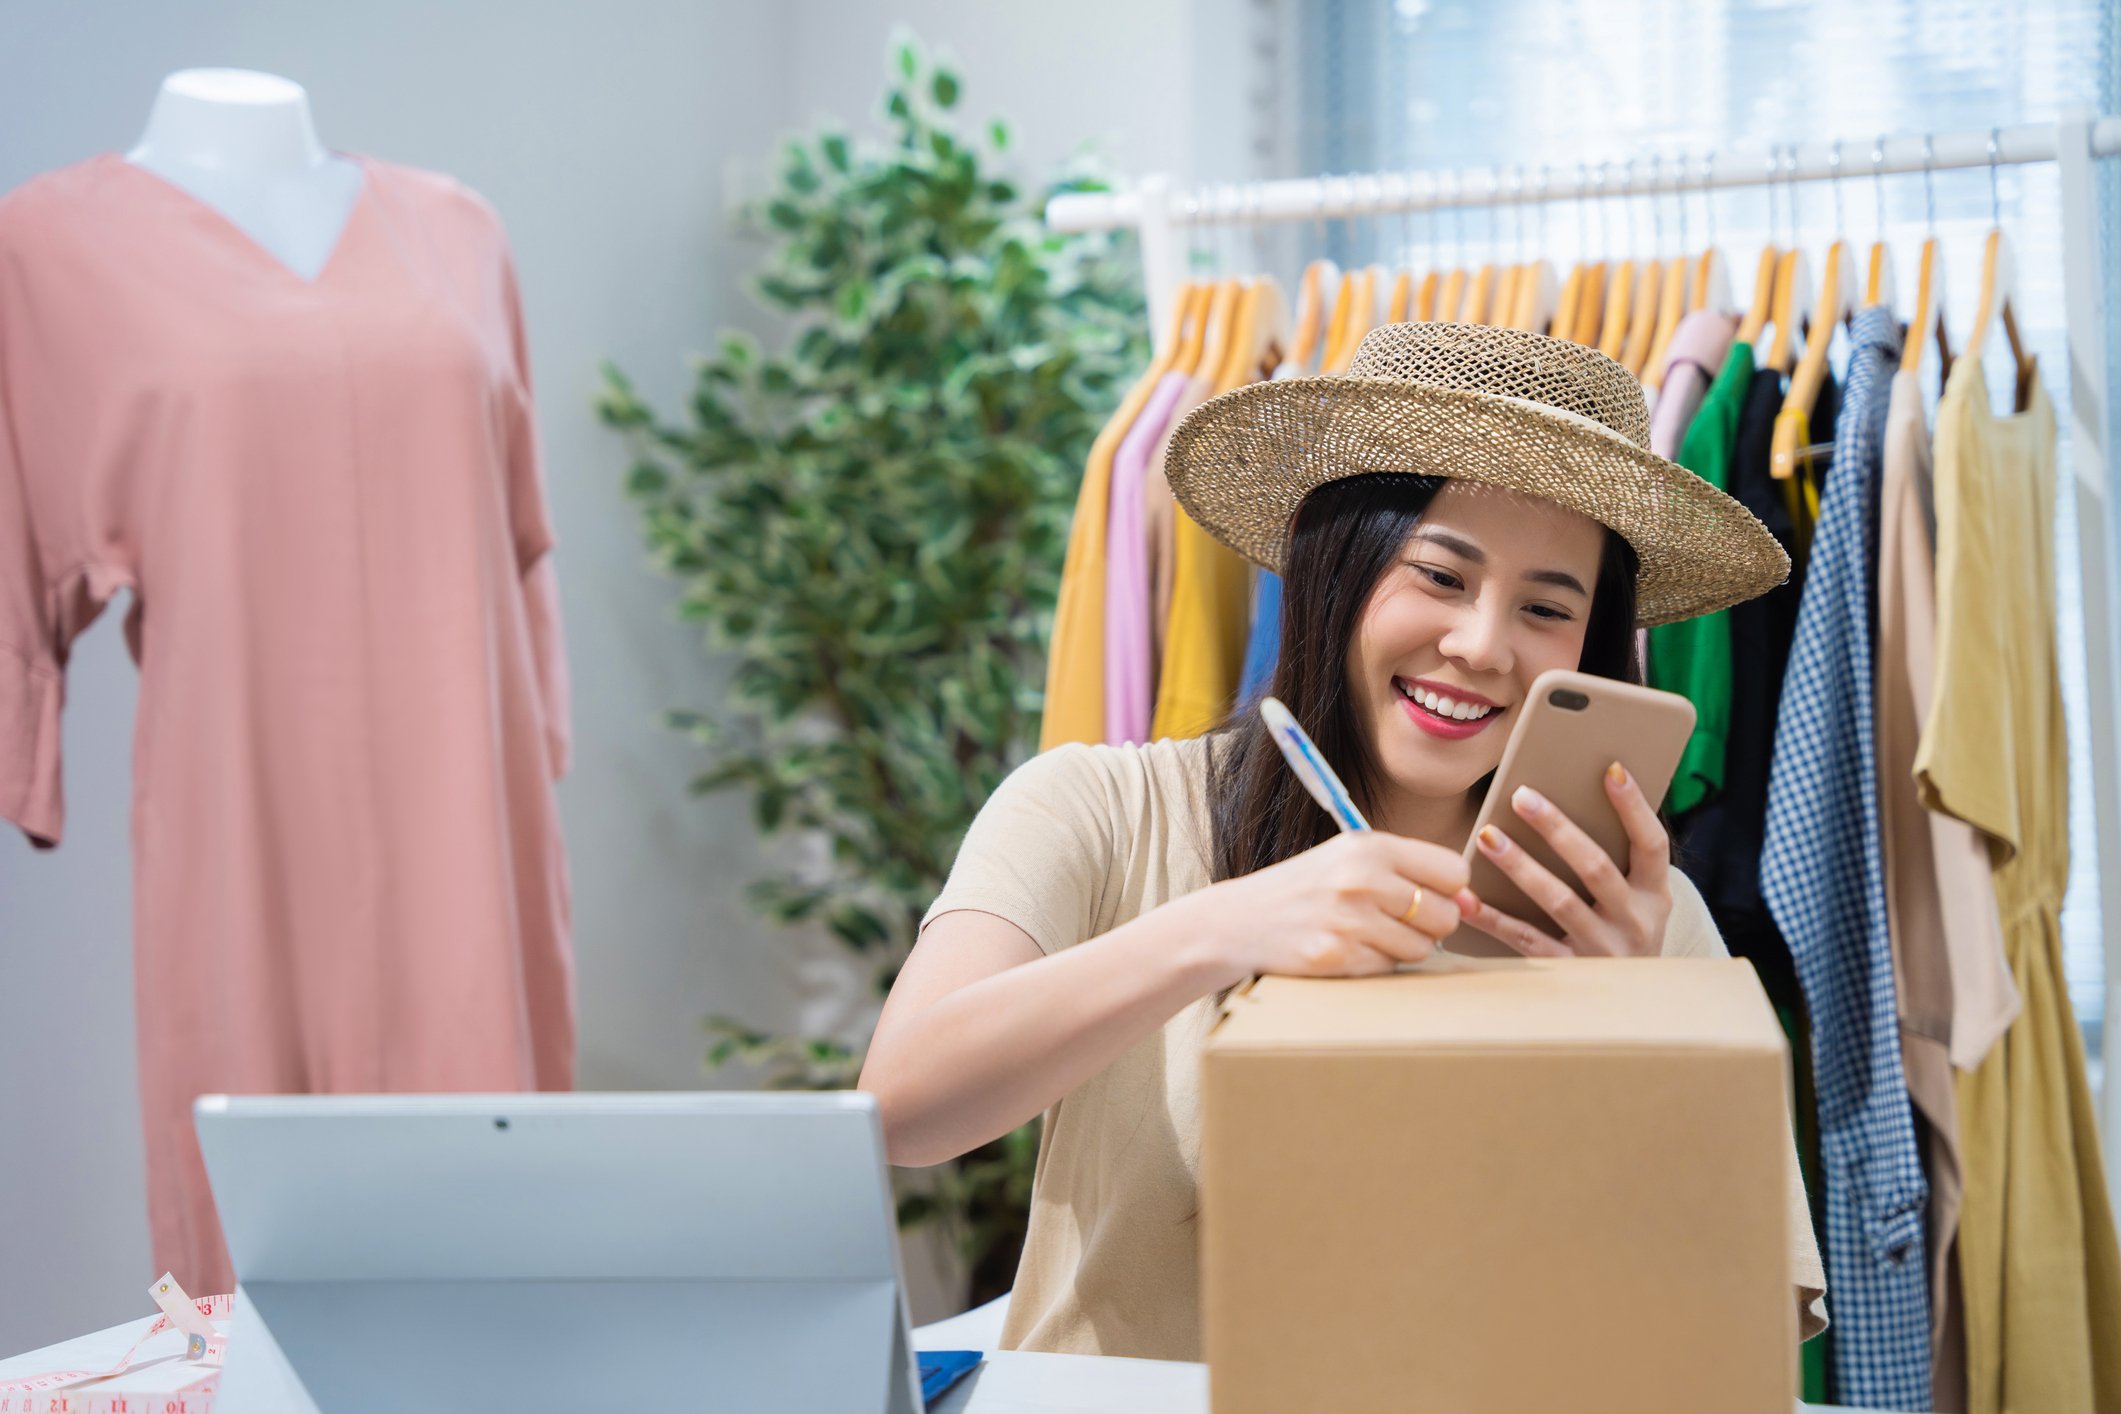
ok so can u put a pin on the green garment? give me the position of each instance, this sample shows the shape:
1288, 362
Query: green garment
1693, 658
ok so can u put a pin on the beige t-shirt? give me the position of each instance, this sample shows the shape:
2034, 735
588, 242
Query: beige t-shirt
1074, 843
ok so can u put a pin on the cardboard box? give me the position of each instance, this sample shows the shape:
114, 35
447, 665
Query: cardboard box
1493, 1185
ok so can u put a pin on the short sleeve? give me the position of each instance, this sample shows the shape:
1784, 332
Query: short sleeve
530, 527
1040, 853
31, 661
1964, 764
1691, 930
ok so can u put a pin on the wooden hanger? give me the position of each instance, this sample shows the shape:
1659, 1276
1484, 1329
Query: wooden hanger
1928, 321
1999, 283
1999, 279
1354, 320
1711, 285
1671, 307
1504, 304
1453, 296
1881, 283
1613, 329
1671, 292
1837, 302
1400, 307
1425, 296
1256, 346
1642, 319
1311, 296
1793, 286
1762, 309
1337, 325
1537, 293
1564, 325
1183, 308
1212, 347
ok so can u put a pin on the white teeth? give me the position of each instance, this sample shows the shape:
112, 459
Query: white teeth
1444, 706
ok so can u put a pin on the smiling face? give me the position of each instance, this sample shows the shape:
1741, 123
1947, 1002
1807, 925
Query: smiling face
1490, 590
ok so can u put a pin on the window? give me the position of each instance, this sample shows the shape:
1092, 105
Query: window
1427, 84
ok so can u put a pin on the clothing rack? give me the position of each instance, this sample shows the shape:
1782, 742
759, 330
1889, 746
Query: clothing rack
1157, 211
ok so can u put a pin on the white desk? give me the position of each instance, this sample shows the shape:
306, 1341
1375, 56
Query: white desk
1011, 1382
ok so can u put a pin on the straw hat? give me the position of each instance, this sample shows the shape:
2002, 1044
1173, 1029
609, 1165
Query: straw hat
1505, 407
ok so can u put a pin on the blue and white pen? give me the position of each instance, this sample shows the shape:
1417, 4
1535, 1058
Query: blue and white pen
1310, 767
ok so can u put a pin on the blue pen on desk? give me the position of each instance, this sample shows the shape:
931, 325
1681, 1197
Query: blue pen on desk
1310, 767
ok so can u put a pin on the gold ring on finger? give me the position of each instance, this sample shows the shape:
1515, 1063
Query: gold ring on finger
1413, 908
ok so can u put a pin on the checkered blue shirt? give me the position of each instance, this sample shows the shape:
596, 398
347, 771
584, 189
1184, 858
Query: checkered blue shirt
1822, 872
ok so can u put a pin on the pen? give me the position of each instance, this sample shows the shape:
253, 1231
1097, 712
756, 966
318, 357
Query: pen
1310, 767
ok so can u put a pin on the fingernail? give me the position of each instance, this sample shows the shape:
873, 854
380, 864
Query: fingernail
1493, 840
1528, 801
1468, 903
1617, 774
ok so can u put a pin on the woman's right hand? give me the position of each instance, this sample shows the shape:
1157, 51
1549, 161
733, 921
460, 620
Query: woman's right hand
1344, 908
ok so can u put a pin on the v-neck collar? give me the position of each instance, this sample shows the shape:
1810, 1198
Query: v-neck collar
214, 216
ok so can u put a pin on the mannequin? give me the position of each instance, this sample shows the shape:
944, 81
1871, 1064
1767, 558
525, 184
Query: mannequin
242, 143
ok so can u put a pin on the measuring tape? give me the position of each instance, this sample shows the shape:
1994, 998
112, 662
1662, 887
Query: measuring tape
186, 1388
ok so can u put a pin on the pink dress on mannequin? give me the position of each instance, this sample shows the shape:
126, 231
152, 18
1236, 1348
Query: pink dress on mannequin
325, 498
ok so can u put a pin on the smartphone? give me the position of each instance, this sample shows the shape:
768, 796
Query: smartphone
1572, 727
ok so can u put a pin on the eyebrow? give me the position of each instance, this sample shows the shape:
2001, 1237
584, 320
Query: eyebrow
1466, 549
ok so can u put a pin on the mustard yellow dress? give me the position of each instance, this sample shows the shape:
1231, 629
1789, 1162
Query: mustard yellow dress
2038, 1264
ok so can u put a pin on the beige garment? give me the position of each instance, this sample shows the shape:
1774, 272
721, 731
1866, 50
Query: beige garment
1074, 843
1940, 896
1961, 995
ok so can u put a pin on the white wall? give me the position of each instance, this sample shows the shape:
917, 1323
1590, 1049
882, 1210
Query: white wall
602, 134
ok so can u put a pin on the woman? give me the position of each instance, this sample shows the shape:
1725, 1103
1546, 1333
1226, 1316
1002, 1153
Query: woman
1463, 510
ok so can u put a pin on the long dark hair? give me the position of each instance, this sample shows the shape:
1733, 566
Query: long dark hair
1345, 535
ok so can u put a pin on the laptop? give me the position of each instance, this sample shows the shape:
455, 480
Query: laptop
559, 1251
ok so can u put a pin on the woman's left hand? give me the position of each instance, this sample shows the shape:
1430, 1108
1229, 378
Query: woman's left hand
1627, 912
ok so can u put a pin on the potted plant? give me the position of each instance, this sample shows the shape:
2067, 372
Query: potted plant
872, 524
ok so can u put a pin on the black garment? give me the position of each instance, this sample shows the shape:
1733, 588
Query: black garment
1718, 842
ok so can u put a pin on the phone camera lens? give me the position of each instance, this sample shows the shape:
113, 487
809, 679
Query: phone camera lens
1568, 699
500, 1123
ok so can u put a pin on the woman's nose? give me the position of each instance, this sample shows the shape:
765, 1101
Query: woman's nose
1479, 640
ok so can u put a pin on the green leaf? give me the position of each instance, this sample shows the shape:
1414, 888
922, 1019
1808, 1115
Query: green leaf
944, 87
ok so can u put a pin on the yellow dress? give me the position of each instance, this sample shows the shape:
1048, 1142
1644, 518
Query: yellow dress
2038, 1264
1075, 661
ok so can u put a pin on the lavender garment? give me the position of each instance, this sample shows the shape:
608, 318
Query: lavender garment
1698, 348
1130, 688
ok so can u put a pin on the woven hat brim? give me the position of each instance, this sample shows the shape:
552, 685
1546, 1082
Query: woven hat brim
1241, 463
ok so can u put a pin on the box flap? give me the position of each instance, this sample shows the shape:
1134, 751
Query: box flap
1510, 1003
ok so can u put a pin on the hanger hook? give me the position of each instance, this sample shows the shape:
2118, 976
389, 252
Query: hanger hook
1627, 205
1878, 180
1545, 187
1774, 172
1929, 186
1834, 173
1605, 209
1679, 199
1789, 153
1656, 211
1995, 200
1517, 212
1708, 195
1583, 225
